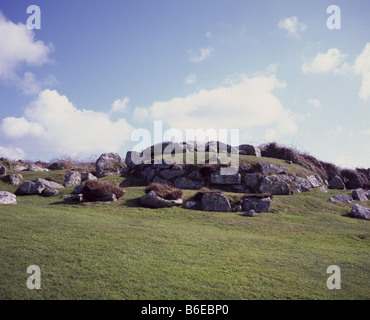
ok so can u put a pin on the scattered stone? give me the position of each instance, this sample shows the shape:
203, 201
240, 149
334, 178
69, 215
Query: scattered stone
315, 180
7, 198
79, 189
252, 179
190, 204
301, 184
19, 168
249, 213
15, 179
337, 183
250, 150
338, 198
49, 184
359, 194
288, 161
2, 170
50, 192
87, 176
109, 164
215, 202
323, 189
30, 188
185, 183
239, 208
151, 200
256, 204
33, 167
275, 185
72, 178
360, 212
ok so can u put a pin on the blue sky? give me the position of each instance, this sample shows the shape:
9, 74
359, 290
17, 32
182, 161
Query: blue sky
96, 71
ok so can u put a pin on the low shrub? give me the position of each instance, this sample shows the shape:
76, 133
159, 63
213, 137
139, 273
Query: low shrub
164, 191
95, 189
353, 179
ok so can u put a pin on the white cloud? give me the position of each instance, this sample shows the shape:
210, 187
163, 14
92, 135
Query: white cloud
367, 132
209, 35
120, 105
203, 54
325, 62
141, 114
362, 68
12, 153
191, 79
314, 102
52, 124
293, 26
242, 105
18, 46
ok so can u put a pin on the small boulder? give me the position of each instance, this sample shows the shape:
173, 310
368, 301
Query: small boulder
7, 198
152, 200
215, 202
256, 204
185, 183
341, 198
337, 183
190, 204
218, 178
30, 188
315, 180
49, 184
301, 184
78, 189
273, 184
359, 194
249, 213
18, 168
250, 150
33, 167
360, 212
15, 179
87, 176
72, 178
50, 192
171, 174
2, 170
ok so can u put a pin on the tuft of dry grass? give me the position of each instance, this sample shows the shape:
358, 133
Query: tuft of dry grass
95, 189
164, 191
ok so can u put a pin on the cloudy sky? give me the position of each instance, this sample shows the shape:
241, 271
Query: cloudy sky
97, 70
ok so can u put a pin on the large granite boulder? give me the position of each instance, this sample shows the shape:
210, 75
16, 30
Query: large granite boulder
249, 150
359, 194
15, 179
72, 178
215, 202
315, 180
33, 167
7, 198
337, 183
273, 184
109, 164
152, 200
360, 212
133, 159
30, 188
256, 204
19, 167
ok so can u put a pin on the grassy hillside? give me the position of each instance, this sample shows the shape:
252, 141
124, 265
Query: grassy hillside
123, 251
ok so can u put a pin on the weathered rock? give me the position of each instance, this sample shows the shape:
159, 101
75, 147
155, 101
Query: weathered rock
49, 184
215, 202
7, 198
72, 178
367, 193
30, 188
151, 200
301, 184
18, 168
251, 180
109, 164
50, 192
148, 173
278, 169
315, 180
185, 183
359, 194
341, 198
337, 183
195, 175
75, 197
275, 185
360, 212
323, 188
15, 179
190, 204
78, 189
108, 197
220, 147
171, 174
33, 167
249, 213
133, 159
250, 150
256, 204
163, 181
217, 178
87, 176
2, 170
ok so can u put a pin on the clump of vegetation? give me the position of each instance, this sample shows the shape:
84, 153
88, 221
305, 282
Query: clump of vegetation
164, 191
96, 189
198, 196
353, 179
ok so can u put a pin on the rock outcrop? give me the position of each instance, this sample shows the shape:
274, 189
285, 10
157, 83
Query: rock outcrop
360, 212
72, 178
109, 164
215, 202
359, 194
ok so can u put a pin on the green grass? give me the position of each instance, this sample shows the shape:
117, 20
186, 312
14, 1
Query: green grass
122, 251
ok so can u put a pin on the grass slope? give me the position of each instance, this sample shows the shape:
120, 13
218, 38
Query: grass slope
122, 251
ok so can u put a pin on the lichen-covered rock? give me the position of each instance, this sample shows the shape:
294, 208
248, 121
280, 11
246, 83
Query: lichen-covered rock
15, 179
109, 164
87, 176
273, 184
30, 188
215, 202
72, 178
171, 174
341, 198
359, 194
49, 184
50, 192
256, 204
19, 167
249, 150
301, 184
360, 212
218, 178
151, 200
251, 180
33, 167
315, 180
185, 183
7, 198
